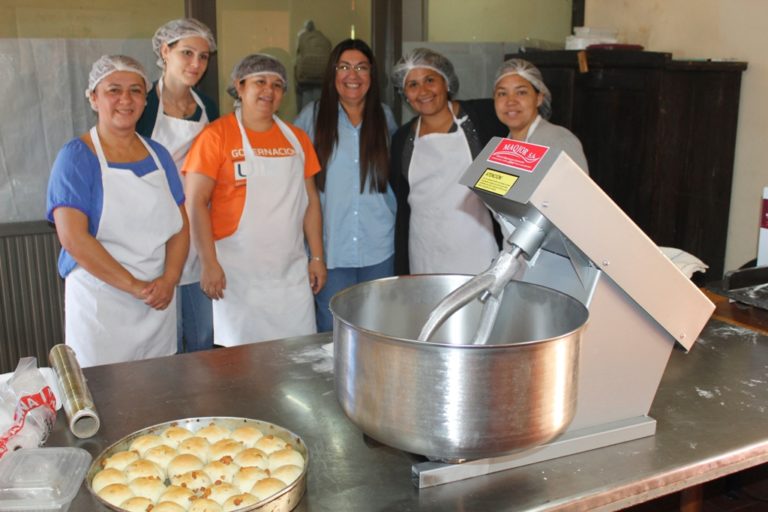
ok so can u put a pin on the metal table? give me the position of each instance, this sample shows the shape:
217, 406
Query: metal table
711, 412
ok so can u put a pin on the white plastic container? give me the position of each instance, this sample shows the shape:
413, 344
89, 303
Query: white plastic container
596, 32
41, 479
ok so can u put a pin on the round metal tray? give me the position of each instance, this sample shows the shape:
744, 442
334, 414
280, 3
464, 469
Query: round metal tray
282, 501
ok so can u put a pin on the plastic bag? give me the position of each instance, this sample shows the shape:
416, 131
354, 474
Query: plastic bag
27, 408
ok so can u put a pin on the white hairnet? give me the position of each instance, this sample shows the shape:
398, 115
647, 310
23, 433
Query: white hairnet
257, 64
108, 64
531, 73
176, 30
425, 58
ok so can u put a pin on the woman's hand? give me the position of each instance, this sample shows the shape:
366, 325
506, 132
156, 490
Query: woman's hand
199, 189
213, 281
137, 289
158, 294
317, 275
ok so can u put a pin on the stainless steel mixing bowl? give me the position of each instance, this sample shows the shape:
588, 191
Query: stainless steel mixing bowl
447, 399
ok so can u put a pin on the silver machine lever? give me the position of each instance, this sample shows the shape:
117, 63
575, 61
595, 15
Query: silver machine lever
488, 286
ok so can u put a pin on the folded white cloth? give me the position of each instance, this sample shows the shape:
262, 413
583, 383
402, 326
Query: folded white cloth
687, 263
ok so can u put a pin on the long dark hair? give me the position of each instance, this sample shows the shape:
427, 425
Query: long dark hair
374, 134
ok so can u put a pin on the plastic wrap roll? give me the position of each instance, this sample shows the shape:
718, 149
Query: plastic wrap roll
78, 403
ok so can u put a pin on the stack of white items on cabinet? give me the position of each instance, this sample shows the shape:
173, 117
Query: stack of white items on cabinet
585, 36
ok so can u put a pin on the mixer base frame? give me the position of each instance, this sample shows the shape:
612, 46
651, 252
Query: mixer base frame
429, 474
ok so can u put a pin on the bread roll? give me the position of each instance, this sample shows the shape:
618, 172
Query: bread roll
263, 489
161, 455
284, 457
197, 446
148, 487
252, 457
173, 436
222, 492
226, 447
143, 467
178, 495
115, 494
205, 505
120, 460
168, 506
221, 470
137, 504
213, 433
270, 443
195, 481
239, 501
247, 435
184, 463
106, 477
246, 478
143, 443
287, 474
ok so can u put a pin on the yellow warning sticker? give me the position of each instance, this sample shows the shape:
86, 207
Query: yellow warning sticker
496, 182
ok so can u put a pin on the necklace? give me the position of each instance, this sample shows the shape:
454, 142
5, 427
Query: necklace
181, 109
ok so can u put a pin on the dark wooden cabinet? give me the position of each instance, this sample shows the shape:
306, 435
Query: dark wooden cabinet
659, 135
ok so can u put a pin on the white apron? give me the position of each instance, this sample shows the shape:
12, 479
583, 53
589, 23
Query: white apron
268, 294
532, 128
106, 325
450, 227
177, 136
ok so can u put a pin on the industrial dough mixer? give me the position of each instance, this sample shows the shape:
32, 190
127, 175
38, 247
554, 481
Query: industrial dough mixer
568, 236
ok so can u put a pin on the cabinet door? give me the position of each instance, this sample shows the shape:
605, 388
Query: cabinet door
615, 115
696, 139
561, 83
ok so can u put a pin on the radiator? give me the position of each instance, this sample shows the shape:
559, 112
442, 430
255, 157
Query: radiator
31, 293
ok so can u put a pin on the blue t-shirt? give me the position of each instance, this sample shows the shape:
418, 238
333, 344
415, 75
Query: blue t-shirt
358, 228
75, 182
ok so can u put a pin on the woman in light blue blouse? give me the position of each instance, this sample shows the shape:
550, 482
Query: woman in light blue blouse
350, 129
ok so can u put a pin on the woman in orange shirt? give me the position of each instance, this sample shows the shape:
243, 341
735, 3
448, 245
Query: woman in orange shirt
252, 204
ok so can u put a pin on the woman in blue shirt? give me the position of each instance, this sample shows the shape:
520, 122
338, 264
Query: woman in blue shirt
118, 206
350, 129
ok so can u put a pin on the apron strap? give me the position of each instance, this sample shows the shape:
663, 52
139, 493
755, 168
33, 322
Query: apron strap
287, 132
195, 97
458, 122
100, 151
532, 128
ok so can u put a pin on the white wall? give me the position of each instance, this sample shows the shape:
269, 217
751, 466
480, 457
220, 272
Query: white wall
47, 48
511, 21
716, 29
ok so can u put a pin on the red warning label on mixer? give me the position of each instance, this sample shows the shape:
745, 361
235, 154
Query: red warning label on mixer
520, 155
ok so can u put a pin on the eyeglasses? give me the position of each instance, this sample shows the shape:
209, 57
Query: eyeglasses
361, 69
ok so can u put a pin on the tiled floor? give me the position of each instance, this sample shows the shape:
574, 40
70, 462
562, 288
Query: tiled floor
743, 492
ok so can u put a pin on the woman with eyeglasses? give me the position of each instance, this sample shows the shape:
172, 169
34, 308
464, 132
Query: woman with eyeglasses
350, 128
442, 226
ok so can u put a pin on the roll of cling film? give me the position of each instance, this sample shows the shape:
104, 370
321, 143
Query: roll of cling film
78, 403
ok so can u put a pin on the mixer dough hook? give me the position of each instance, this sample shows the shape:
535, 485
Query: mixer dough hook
488, 286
